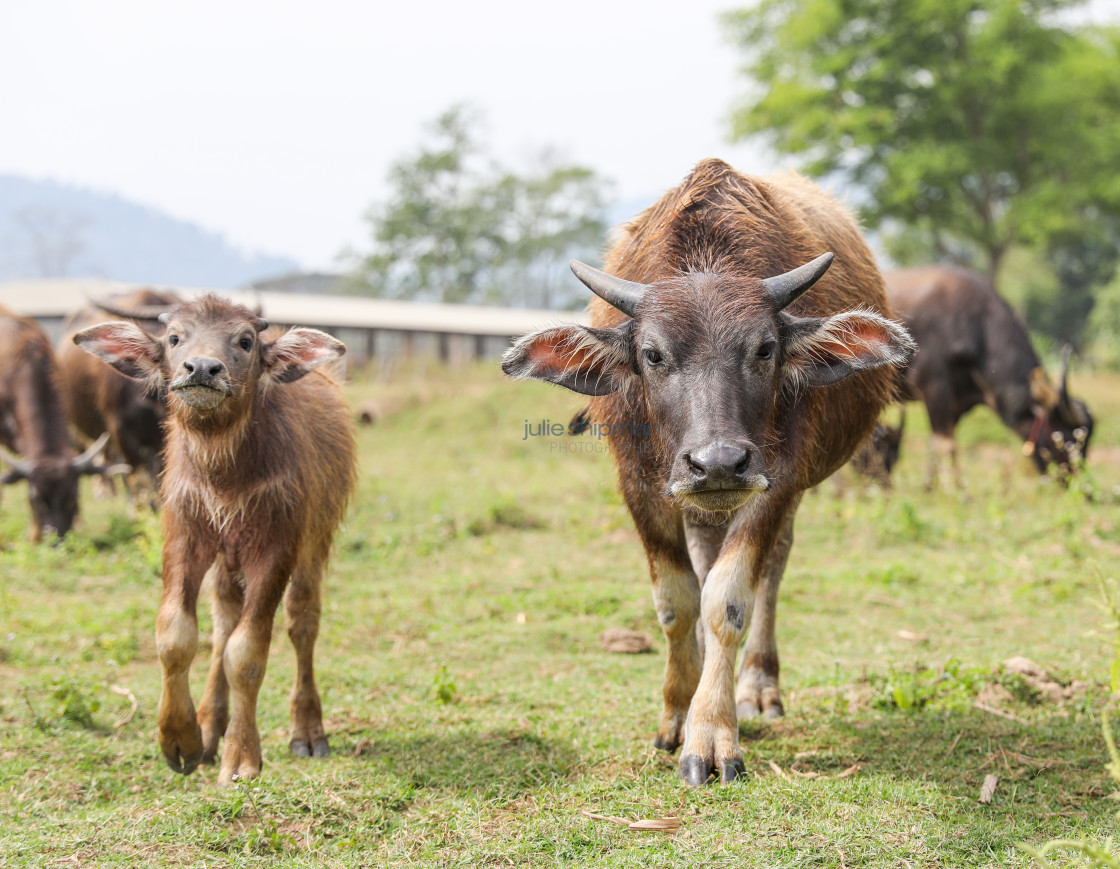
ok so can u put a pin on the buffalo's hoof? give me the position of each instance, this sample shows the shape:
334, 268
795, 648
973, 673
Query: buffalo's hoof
666, 744
729, 770
318, 748
749, 709
695, 770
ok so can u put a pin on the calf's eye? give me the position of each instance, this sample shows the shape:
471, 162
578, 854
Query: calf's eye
172, 340
652, 357
766, 351
246, 344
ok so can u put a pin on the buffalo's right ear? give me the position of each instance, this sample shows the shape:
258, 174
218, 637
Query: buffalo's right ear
125, 346
587, 361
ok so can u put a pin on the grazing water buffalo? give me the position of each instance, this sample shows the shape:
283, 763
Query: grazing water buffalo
99, 399
33, 424
728, 388
259, 467
973, 350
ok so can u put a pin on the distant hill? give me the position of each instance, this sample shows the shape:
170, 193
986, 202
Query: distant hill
51, 229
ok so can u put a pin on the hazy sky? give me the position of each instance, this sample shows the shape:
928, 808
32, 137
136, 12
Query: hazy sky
275, 122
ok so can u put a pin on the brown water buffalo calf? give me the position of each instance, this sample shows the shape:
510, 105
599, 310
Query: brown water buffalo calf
728, 390
99, 399
974, 350
259, 467
33, 424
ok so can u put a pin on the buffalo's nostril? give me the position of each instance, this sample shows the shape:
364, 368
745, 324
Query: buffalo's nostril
719, 462
189, 366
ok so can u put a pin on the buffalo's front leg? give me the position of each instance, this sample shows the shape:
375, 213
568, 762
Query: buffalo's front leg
711, 733
180, 738
757, 692
676, 597
245, 659
303, 605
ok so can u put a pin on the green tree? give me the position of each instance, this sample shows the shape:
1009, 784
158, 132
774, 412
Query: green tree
458, 227
551, 215
978, 124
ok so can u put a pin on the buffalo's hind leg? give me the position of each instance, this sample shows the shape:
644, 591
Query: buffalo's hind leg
213, 711
757, 693
303, 602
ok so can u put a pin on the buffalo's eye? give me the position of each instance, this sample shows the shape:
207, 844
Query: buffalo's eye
172, 340
766, 351
246, 343
652, 357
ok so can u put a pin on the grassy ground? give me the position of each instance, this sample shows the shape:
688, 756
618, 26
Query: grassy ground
475, 720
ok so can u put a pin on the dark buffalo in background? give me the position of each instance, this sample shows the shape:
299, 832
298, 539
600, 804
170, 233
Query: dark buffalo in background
34, 435
101, 400
973, 349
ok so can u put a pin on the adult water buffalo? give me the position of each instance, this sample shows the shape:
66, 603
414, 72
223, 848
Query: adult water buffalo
728, 387
974, 350
33, 425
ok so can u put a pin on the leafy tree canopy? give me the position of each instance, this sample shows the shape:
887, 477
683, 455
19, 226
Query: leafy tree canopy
978, 124
458, 227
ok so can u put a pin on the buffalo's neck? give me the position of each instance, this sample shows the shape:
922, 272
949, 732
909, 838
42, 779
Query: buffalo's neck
222, 449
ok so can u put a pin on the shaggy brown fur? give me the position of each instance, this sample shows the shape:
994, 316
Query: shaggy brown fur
260, 464
715, 366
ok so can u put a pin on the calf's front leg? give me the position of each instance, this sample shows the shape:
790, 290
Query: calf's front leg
180, 737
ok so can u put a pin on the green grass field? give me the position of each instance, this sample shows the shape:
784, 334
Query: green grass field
475, 720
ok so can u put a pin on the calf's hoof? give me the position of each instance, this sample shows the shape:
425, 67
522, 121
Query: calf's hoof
758, 702
696, 770
182, 751
316, 748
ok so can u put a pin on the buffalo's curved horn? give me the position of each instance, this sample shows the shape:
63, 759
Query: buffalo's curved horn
21, 469
616, 292
783, 289
84, 462
1063, 373
141, 312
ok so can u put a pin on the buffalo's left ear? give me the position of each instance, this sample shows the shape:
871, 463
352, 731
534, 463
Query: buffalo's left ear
820, 351
299, 351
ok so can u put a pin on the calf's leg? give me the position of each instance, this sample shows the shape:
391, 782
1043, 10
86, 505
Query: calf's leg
303, 603
244, 659
184, 564
213, 711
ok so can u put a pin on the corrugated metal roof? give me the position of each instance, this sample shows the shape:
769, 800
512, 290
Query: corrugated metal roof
58, 297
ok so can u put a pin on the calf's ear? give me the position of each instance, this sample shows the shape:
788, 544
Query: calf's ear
587, 361
299, 351
125, 346
820, 351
